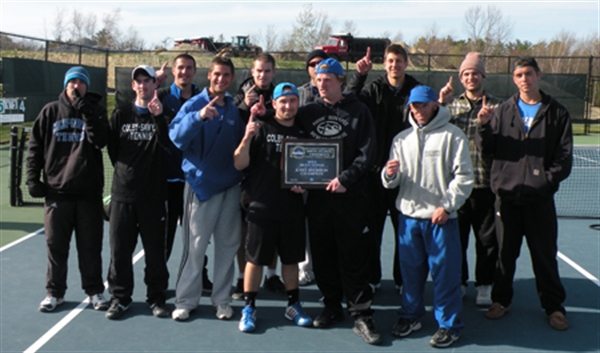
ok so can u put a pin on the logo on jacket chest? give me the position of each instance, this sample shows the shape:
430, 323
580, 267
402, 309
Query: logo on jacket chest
330, 126
139, 132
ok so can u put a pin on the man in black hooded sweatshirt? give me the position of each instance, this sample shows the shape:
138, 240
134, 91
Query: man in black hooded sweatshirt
66, 139
337, 215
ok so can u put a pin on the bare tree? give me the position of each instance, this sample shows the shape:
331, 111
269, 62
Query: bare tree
350, 27
267, 39
89, 25
58, 28
398, 37
110, 34
560, 47
77, 25
487, 29
270, 38
310, 29
131, 40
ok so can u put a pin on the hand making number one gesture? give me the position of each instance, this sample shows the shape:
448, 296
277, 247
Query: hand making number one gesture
251, 96
155, 106
485, 114
447, 92
364, 65
161, 74
209, 111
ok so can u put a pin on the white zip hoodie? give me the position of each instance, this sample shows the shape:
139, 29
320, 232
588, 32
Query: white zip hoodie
435, 167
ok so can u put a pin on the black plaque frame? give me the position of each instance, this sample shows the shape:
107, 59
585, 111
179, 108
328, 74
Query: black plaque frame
310, 163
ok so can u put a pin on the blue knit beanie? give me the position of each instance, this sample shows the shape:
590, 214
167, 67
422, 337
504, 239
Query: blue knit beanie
77, 72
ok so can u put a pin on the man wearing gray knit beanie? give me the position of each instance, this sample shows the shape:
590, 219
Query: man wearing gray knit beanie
478, 210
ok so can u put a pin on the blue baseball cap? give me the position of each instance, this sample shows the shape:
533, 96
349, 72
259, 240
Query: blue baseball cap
280, 90
330, 66
422, 94
77, 72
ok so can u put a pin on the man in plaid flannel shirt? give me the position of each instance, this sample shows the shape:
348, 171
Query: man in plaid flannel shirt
478, 210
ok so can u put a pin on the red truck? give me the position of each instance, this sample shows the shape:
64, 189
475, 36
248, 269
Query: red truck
345, 47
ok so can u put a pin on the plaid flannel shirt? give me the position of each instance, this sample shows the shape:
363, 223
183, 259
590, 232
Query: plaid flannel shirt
464, 115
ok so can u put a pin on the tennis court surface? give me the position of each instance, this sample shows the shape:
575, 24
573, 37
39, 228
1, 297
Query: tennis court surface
76, 327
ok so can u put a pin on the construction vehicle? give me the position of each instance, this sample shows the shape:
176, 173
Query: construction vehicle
345, 47
240, 46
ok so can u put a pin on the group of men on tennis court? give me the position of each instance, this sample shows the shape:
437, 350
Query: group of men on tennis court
439, 164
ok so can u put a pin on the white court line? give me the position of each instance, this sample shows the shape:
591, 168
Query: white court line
62, 323
10, 245
65, 320
579, 269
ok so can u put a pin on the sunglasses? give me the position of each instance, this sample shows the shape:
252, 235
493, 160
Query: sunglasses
313, 63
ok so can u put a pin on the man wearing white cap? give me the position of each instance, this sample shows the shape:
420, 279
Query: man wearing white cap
431, 165
139, 134
478, 210
66, 139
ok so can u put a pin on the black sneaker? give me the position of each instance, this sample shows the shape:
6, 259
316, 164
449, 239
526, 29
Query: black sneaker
443, 338
274, 284
403, 327
160, 310
238, 293
329, 316
365, 328
116, 310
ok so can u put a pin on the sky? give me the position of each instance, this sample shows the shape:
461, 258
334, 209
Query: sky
156, 21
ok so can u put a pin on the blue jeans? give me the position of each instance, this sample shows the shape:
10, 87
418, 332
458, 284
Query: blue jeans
426, 246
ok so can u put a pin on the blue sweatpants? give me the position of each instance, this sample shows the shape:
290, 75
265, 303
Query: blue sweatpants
426, 246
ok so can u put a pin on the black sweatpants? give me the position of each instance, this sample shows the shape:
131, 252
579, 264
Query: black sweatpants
382, 201
61, 218
127, 220
478, 213
341, 249
537, 222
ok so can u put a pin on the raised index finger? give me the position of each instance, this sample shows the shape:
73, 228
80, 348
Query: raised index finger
483, 102
212, 101
450, 81
368, 54
164, 65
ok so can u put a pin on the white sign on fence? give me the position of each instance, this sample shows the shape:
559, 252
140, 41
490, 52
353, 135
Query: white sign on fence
12, 110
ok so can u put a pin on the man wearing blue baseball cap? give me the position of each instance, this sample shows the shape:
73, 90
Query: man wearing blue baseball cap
276, 221
337, 214
431, 164
66, 142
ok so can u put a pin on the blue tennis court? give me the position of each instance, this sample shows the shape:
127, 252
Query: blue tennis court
75, 327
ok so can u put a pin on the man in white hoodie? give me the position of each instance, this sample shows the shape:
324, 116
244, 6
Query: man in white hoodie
430, 163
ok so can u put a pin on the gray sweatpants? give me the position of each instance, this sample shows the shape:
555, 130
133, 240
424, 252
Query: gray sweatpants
220, 218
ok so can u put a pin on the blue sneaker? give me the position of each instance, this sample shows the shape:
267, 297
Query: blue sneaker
248, 320
296, 314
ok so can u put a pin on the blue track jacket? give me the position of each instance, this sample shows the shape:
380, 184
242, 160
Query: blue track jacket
208, 146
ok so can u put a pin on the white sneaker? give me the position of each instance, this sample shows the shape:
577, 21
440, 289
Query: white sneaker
224, 312
305, 278
180, 314
50, 303
99, 302
484, 295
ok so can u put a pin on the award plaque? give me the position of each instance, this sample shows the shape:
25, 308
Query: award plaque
310, 163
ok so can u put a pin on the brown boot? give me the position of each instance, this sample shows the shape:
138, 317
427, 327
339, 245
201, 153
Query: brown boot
558, 321
496, 311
